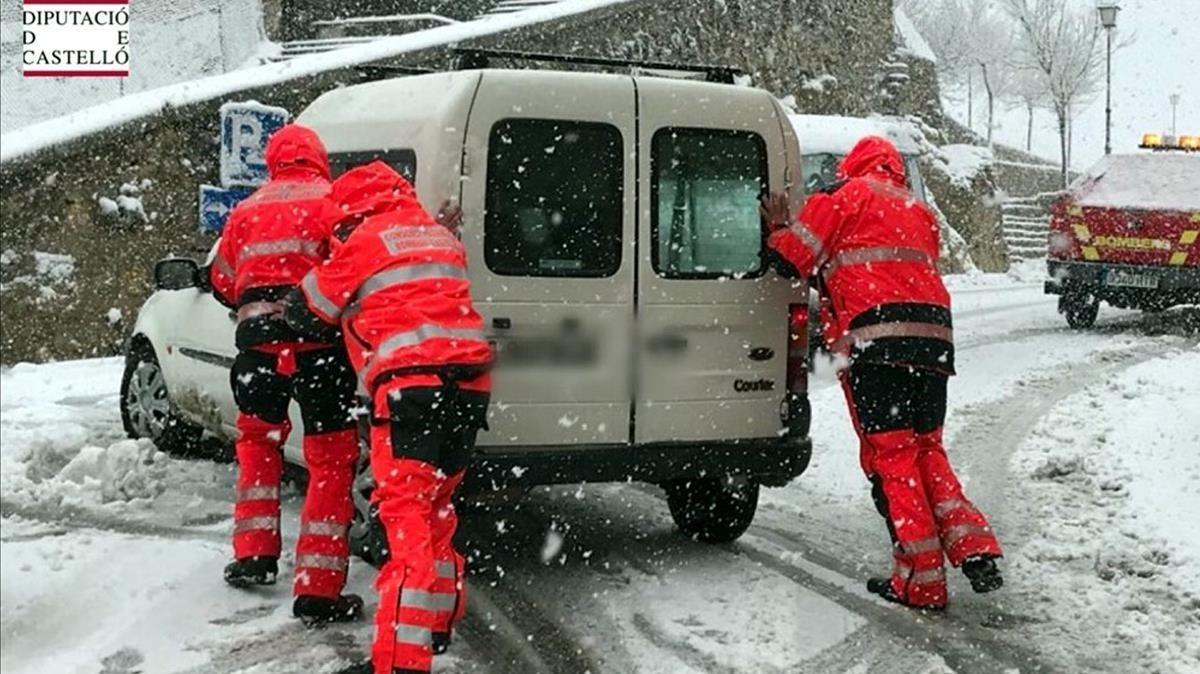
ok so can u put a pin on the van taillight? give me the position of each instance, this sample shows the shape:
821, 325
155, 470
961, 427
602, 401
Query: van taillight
797, 352
796, 412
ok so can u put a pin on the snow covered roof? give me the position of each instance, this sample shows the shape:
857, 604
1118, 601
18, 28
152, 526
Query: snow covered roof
34, 137
837, 135
1141, 181
912, 40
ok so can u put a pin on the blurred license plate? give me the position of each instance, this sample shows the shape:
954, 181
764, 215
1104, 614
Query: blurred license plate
1117, 277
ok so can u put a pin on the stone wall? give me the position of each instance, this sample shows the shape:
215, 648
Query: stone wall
61, 200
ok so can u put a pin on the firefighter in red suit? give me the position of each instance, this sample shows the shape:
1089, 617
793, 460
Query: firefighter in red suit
273, 238
872, 247
397, 283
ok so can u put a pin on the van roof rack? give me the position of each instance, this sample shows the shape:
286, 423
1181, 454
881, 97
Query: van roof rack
471, 58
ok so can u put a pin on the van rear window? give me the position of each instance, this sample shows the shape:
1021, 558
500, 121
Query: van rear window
555, 198
403, 161
706, 186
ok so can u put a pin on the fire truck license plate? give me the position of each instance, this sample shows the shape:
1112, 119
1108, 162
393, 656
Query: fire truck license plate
1117, 277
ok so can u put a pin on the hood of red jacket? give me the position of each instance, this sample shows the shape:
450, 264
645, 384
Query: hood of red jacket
876, 157
371, 189
296, 149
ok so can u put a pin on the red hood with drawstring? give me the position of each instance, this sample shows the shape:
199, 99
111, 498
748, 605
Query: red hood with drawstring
874, 248
274, 236
873, 157
296, 149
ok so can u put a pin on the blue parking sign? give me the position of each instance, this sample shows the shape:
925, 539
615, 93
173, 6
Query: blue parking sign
245, 128
216, 203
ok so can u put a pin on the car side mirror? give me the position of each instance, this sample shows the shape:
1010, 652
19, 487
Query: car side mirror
176, 273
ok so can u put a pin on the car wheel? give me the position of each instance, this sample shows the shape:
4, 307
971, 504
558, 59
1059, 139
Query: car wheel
712, 510
146, 407
1081, 310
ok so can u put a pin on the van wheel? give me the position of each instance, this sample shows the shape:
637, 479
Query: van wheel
1081, 310
712, 510
146, 407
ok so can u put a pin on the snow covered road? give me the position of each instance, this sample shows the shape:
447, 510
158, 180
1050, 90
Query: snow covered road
1084, 448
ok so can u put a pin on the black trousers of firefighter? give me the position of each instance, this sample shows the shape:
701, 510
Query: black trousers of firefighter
422, 438
322, 382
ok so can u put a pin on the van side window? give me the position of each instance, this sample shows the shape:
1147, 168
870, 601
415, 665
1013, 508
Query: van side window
705, 187
404, 161
555, 198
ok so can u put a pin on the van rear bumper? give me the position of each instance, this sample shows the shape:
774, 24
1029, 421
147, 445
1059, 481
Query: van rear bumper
772, 462
1180, 284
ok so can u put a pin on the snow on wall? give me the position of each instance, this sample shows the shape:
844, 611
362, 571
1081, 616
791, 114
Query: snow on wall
911, 39
171, 41
135, 106
961, 163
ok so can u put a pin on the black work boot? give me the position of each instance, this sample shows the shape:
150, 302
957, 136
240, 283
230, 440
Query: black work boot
313, 611
883, 588
983, 573
441, 642
360, 668
252, 571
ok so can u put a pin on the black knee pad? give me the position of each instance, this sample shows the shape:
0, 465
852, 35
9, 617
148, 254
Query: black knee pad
258, 390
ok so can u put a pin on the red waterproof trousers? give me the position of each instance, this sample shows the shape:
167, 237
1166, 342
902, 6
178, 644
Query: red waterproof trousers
264, 381
418, 456
898, 413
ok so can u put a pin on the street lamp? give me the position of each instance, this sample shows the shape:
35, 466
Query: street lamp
1174, 104
1108, 19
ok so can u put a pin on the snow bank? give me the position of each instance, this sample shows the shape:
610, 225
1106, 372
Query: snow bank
135, 106
1114, 472
961, 163
1142, 181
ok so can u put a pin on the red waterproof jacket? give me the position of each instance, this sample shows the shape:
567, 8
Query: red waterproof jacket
398, 285
874, 248
275, 236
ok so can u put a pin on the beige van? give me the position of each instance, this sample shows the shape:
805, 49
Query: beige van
613, 233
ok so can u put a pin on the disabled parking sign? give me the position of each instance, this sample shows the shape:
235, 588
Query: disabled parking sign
216, 203
245, 128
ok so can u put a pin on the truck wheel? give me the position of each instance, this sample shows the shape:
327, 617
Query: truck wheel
712, 510
146, 407
1081, 310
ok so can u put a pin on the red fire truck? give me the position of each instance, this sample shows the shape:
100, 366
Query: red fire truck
1126, 232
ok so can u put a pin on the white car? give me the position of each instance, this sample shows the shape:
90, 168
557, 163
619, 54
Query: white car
616, 254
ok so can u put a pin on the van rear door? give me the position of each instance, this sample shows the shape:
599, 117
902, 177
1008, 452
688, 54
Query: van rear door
712, 320
548, 195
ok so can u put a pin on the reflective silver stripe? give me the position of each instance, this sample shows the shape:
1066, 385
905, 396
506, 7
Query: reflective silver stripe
445, 569
870, 333
249, 524
948, 506
937, 575
879, 254
429, 601
279, 247
331, 529
402, 340
323, 304
960, 531
257, 493
256, 309
398, 275
223, 266
318, 561
414, 635
902, 570
811, 240
923, 545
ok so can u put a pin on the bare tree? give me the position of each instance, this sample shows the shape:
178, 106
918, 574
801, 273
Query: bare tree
1063, 42
944, 24
1030, 94
992, 47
